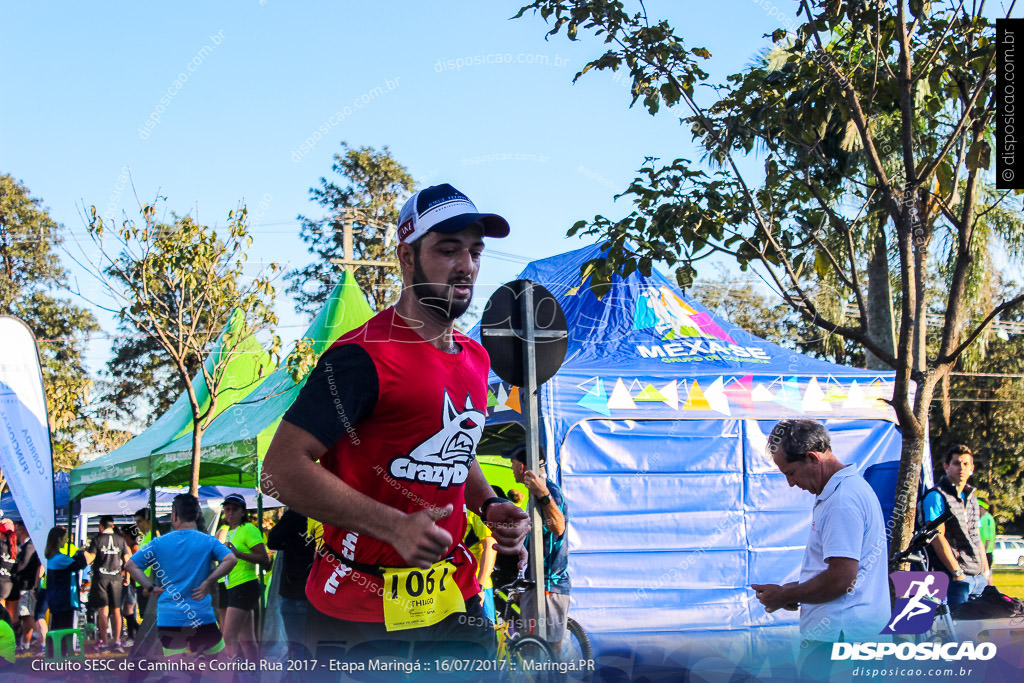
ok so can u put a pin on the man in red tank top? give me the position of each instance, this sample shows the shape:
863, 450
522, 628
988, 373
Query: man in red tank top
393, 413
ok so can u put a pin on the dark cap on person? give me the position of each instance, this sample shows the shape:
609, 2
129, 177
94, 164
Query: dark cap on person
518, 452
442, 208
234, 499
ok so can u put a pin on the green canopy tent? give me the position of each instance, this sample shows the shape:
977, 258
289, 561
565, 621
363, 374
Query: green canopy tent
131, 466
234, 445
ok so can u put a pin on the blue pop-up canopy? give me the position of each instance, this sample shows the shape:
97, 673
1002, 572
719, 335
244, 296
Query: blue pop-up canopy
657, 422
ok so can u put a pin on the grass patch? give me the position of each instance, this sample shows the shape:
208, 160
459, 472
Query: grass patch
1009, 581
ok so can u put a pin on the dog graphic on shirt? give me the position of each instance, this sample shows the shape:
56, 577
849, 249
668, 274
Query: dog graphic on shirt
444, 457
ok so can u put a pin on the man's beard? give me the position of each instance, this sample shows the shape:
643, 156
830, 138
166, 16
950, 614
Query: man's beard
438, 298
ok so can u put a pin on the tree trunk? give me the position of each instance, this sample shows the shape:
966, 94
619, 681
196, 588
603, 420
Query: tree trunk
920, 310
197, 449
914, 428
879, 301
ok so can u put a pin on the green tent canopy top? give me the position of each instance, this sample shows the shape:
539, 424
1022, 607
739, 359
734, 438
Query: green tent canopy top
131, 466
234, 445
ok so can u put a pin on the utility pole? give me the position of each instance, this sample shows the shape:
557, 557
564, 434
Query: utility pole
350, 261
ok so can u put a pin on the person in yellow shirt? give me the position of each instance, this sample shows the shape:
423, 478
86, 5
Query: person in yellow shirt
8, 644
245, 540
481, 543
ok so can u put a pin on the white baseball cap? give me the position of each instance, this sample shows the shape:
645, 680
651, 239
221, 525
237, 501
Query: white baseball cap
442, 208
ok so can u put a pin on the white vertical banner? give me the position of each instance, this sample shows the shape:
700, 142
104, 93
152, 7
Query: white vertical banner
25, 456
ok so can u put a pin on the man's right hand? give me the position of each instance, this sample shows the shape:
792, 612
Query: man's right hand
419, 540
509, 525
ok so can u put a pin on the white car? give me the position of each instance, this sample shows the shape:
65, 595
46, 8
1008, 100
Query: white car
1009, 550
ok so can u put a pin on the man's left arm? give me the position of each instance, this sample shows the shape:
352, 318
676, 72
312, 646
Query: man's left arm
837, 579
506, 520
253, 539
554, 520
125, 556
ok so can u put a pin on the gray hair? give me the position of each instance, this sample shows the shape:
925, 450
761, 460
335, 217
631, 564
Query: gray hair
796, 438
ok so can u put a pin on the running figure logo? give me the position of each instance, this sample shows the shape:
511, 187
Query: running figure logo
917, 596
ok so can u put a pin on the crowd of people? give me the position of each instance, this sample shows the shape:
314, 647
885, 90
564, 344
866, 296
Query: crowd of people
393, 532
207, 587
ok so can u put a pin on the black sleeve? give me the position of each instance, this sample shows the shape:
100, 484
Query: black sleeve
78, 561
341, 391
291, 524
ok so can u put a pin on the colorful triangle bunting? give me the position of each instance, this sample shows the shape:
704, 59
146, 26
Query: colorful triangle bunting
596, 399
715, 395
620, 398
696, 400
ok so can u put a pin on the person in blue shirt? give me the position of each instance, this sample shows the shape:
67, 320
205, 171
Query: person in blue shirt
957, 549
63, 563
554, 511
182, 581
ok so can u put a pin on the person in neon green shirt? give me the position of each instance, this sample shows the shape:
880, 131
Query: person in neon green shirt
481, 543
8, 644
246, 541
144, 525
987, 530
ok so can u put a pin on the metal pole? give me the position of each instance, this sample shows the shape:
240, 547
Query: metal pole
261, 614
152, 511
529, 404
347, 240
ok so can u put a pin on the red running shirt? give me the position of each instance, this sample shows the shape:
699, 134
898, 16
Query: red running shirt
413, 451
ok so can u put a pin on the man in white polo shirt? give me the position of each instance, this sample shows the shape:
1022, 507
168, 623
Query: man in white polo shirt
843, 592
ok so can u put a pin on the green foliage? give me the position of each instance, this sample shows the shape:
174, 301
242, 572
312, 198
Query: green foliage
868, 117
301, 360
180, 282
986, 415
369, 189
30, 278
144, 381
830, 117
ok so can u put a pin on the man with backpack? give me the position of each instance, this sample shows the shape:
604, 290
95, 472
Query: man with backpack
957, 549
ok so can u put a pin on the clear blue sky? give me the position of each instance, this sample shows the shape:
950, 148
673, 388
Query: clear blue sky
464, 95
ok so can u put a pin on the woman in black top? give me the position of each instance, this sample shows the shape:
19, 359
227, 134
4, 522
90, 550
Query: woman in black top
290, 535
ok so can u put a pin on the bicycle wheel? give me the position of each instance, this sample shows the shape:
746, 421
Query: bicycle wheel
529, 651
577, 644
576, 651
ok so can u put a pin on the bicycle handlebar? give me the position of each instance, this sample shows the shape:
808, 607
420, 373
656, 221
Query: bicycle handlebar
518, 584
924, 536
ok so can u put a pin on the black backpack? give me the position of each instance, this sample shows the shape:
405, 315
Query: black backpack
991, 604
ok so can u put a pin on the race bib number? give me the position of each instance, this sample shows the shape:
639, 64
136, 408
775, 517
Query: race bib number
414, 598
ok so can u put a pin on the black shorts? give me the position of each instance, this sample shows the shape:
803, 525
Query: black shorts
222, 595
466, 635
244, 595
41, 605
195, 640
105, 591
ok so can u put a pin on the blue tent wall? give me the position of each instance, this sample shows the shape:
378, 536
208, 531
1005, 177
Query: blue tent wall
657, 423
672, 520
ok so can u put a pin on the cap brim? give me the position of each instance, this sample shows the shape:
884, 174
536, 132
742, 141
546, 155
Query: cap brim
513, 452
493, 224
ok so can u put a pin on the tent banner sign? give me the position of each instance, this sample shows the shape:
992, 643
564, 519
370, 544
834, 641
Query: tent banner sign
685, 334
